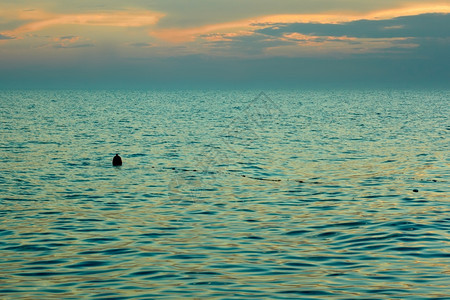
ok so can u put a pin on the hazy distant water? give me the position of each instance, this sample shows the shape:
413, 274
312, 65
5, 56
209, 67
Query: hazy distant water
225, 195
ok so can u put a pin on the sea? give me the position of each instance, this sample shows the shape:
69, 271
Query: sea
225, 194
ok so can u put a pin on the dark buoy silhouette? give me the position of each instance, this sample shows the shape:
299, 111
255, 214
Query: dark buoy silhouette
117, 160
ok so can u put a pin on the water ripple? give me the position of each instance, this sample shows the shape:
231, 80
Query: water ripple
341, 197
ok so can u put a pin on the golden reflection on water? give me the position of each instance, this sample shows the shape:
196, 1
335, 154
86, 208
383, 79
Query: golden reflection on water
193, 211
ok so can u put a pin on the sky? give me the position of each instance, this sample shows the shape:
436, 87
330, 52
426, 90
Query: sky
224, 43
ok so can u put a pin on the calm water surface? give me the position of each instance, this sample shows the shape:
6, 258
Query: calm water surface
225, 195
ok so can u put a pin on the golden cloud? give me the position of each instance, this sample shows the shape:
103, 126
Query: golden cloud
215, 31
40, 20
320, 46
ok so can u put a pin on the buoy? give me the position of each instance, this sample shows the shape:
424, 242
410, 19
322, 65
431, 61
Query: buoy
415, 191
117, 160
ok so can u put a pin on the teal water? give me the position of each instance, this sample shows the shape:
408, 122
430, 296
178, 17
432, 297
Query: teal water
225, 195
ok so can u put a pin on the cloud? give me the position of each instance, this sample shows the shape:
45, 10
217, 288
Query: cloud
68, 42
390, 36
6, 37
73, 46
181, 35
67, 39
38, 20
426, 25
394, 27
315, 35
140, 45
249, 46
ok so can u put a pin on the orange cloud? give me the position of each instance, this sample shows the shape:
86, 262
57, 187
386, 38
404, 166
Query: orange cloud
67, 39
409, 11
42, 20
319, 46
177, 35
303, 38
181, 35
225, 37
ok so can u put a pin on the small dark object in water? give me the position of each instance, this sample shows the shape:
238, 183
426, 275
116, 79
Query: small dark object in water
117, 160
415, 191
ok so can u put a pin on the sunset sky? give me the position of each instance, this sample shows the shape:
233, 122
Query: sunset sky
224, 43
